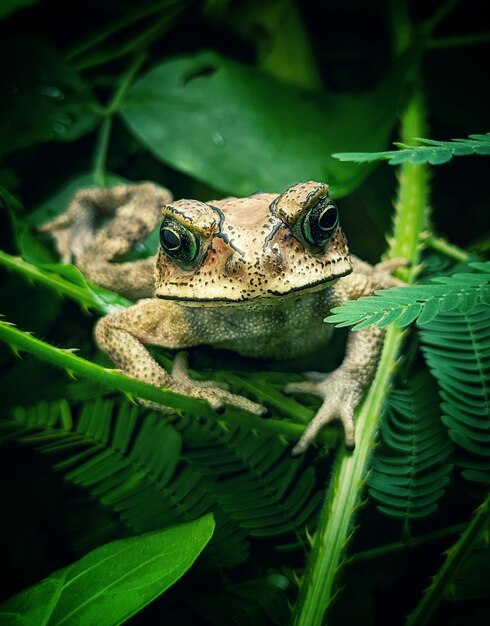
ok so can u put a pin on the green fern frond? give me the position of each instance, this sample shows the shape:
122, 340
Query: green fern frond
402, 305
153, 474
258, 484
411, 470
433, 152
456, 347
131, 465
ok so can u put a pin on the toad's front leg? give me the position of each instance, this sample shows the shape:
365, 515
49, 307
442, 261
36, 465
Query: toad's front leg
342, 389
123, 336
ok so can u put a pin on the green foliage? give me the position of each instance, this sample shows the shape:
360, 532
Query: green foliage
137, 468
411, 470
462, 291
44, 100
456, 347
456, 555
113, 582
261, 602
433, 152
172, 108
66, 280
10, 6
237, 97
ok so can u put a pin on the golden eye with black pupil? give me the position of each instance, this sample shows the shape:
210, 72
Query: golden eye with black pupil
178, 242
320, 222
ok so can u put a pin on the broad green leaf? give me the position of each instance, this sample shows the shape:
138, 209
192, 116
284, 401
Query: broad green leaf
113, 582
43, 99
236, 129
7, 7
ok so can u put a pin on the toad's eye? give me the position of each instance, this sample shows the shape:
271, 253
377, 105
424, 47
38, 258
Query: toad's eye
179, 243
320, 222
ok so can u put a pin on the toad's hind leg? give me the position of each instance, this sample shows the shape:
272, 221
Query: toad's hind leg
102, 225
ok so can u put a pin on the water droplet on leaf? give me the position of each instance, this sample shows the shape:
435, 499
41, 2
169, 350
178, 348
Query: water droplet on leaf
50, 91
58, 128
218, 139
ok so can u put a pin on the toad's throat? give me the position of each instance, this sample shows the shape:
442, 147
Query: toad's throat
270, 295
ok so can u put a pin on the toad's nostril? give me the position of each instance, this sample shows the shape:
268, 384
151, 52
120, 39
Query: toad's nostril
233, 263
274, 259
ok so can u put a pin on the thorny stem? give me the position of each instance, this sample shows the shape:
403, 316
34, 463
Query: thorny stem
114, 379
406, 544
441, 245
336, 519
456, 556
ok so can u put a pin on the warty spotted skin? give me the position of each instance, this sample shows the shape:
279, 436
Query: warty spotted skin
255, 275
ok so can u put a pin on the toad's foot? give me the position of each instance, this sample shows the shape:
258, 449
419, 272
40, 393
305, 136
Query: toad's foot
215, 393
341, 394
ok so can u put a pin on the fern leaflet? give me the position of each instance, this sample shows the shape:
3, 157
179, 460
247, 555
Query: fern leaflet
432, 151
456, 347
260, 486
411, 470
153, 474
402, 305
128, 464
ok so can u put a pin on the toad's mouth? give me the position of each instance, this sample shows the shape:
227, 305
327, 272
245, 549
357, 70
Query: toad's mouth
268, 296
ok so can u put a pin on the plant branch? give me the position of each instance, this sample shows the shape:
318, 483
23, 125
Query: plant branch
336, 520
443, 246
86, 295
101, 149
102, 146
116, 380
459, 41
134, 43
404, 545
456, 556
116, 26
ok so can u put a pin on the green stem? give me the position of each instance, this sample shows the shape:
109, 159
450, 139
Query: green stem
87, 297
411, 208
276, 399
456, 556
404, 545
336, 520
101, 149
102, 146
115, 380
134, 43
335, 523
441, 245
459, 41
117, 26
125, 83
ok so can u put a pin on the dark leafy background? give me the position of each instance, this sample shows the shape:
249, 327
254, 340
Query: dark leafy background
209, 99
